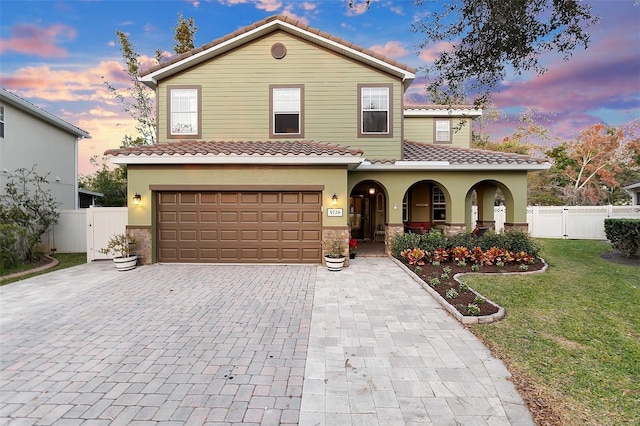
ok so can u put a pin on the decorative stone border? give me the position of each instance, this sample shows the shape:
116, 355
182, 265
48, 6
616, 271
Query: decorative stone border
466, 319
53, 262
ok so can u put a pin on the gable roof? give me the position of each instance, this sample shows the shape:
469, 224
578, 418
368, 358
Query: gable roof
38, 112
266, 26
426, 156
226, 152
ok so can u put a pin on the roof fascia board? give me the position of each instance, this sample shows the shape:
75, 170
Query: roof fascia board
152, 79
280, 160
445, 165
442, 112
28, 107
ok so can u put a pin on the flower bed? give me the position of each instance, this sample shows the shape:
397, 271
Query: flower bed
439, 272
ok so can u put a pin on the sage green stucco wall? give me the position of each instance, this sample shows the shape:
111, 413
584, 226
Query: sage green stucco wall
333, 179
235, 94
455, 185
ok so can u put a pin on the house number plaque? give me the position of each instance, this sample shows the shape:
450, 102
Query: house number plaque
334, 212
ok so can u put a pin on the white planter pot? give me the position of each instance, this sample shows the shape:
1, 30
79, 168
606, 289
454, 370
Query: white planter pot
125, 263
334, 263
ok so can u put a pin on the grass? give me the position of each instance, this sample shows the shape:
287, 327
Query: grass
573, 332
67, 260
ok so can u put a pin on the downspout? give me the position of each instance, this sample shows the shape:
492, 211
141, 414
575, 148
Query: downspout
77, 196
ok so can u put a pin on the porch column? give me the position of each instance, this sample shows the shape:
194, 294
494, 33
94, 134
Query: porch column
516, 203
455, 222
486, 200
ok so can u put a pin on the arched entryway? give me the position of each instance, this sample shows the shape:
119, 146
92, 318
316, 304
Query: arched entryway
486, 195
368, 211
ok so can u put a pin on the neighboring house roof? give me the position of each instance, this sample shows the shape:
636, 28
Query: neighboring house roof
225, 152
92, 193
425, 156
30, 108
261, 28
441, 111
632, 185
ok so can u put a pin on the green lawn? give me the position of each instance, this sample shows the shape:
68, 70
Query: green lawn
67, 260
573, 332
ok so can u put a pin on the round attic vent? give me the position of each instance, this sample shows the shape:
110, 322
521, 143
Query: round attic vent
278, 50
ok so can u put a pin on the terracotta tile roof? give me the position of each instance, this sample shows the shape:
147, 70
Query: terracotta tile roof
283, 18
415, 151
248, 148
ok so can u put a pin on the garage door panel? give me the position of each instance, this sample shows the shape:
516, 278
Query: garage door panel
235, 227
208, 217
229, 198
270, 217
187, 198
291, 198
249, 216
188, 217
207, 198
269, 198
291, 217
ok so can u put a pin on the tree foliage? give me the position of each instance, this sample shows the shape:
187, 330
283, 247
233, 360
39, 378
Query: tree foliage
491, 38
523, 140
27, 204
138, 100
110, 182
592, 167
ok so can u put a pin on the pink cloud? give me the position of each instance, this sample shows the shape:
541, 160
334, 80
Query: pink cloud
289, 12
392, 49
433, 51
31, 39
267, 5
359, 7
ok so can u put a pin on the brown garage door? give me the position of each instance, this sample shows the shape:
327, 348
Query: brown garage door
266, 227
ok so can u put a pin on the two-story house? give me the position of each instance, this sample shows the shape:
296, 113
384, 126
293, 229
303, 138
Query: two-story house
31, 136
275, 135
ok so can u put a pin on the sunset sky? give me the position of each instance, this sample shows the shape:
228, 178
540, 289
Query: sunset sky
56, 53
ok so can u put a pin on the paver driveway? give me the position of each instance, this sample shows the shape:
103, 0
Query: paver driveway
232, 344
161, 343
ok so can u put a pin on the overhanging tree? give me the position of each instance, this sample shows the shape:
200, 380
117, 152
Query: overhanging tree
491, 38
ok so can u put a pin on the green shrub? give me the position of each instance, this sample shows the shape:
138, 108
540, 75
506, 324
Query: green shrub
432, 240
624, 235
517, 241
401, 242
463, 239
13, 245
491, 239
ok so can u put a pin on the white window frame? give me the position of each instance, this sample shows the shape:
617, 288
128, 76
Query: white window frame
442, 131
184, 112
289, 100
375, 99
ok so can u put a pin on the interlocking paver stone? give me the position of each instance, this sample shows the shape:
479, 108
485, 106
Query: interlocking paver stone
221, 344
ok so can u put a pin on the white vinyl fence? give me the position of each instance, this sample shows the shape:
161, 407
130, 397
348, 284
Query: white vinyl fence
570, 222
85, 230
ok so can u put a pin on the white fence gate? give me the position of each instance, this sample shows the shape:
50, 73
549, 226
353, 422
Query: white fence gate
102, 223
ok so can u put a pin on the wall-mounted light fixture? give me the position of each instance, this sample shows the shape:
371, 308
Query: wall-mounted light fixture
372, 190
334, 200
137, 199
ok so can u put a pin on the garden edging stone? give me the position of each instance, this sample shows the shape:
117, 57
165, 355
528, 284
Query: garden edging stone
466, 319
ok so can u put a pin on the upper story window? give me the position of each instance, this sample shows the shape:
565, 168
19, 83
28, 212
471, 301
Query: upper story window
184, 112
442, 131
1, 122
287, 107
374, 116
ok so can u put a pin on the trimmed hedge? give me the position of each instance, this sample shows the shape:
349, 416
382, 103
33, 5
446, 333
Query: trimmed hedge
624, 235
515, 241
13, 245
